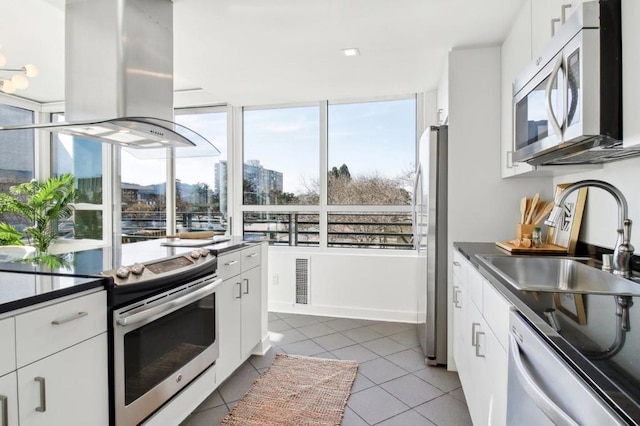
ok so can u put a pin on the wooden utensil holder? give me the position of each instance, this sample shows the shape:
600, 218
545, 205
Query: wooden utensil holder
523, 229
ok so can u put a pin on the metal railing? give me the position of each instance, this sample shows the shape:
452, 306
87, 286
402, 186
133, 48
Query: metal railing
303, 229
141, 226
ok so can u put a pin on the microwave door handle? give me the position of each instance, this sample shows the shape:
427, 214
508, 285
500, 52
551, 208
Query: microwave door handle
557, 127
541, 399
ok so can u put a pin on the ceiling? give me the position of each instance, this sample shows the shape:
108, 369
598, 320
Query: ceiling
255, 52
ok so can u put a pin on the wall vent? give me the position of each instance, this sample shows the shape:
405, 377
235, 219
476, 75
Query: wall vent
302, 281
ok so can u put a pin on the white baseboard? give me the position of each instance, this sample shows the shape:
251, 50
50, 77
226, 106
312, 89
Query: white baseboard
263, 347
345, 312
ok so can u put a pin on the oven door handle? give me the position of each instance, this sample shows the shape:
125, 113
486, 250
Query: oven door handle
537, 395
171, 305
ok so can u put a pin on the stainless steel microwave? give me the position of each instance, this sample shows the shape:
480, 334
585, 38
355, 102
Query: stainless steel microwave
567, 103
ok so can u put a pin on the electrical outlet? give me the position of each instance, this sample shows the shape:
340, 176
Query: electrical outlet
275, 279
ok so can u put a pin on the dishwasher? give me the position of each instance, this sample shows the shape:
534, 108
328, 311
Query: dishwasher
543, 389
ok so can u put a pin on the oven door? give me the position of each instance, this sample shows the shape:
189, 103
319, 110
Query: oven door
161, 344
539, 111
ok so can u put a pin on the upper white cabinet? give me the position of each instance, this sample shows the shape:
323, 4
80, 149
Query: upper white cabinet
516, 54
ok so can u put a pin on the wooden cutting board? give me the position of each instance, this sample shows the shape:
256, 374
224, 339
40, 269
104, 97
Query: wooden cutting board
543, 249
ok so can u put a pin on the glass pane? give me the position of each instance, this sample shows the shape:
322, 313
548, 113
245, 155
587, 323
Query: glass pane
290, 229
371, 152
17, 156
573, 94
83, 159
281, 156
143, 192
201, 183
370, 230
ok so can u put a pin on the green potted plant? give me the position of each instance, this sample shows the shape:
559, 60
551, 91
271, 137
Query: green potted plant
43, 204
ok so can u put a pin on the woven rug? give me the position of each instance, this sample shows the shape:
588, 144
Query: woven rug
294, 391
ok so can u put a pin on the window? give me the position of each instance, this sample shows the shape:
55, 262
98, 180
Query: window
17, 157
143, 196
83, 159
370, 162
201, 182
281, 156
371, 150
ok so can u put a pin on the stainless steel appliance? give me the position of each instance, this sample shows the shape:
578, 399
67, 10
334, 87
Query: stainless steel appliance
567, 103
165, 330
119, 76
543, 389
430, 228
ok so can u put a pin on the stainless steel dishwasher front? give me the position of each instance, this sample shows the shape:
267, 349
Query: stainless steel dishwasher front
543, 389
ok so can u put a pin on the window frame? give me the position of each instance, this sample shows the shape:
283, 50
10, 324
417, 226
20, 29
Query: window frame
323, 209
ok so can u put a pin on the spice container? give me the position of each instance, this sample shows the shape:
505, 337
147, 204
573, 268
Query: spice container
536, 238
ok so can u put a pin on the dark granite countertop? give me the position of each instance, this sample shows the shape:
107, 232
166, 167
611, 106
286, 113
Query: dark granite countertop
616, 379
25, 284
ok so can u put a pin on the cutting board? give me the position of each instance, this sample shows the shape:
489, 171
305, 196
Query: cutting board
543, 249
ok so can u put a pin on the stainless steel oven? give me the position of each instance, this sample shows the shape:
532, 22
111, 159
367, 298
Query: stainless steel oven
165, 331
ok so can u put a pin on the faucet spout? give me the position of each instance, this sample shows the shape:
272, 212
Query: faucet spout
623, 249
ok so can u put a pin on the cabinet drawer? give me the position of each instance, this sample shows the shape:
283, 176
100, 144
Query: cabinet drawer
229, 265
459, 265
8, 346
251, 257
44, 331
475, 282
496, 312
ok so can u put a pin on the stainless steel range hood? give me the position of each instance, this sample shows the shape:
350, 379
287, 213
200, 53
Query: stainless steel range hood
119, 76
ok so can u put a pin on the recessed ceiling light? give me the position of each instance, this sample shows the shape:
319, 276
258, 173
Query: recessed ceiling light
352, 51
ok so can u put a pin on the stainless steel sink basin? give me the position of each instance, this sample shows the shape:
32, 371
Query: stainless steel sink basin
557, 275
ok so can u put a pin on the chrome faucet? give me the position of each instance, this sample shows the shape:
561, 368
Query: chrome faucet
623, 250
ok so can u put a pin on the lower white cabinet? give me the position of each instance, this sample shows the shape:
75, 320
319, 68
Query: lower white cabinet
478, 351
67, 388
240, 309
64, 380
9, 399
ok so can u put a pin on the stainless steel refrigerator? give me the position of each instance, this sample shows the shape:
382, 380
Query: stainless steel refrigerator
430, 228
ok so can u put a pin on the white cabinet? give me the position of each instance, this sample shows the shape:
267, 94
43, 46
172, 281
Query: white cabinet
240, 307
480, 333
9, 399
8, 347
60, 370
516, 54
67, 388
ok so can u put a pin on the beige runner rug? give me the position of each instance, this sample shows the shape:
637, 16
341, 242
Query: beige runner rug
296, 390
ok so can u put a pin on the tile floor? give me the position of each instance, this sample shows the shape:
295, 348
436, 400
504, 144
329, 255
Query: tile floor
393, 385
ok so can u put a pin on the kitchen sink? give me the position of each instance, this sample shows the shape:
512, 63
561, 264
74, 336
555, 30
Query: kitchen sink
557, 275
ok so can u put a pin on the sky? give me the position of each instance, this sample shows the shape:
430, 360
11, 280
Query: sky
367, 137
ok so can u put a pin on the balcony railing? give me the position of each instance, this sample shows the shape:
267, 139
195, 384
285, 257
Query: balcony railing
140, 226
364, 230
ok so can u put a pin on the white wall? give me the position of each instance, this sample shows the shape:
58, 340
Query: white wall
365, 284
482, 206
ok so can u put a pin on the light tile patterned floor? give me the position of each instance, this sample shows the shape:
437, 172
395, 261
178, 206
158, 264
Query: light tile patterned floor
393, 385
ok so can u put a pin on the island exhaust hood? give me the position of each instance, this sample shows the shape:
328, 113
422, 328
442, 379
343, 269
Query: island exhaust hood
119, 76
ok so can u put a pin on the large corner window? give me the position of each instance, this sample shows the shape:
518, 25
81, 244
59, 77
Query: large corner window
201, 180
83, 159
365, 200
281, 156
17, 156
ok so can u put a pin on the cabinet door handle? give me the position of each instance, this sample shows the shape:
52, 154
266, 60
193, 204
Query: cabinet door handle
233, 262
252, 255
69, 318
4, 400
553, 26
474, 334
478, 334
563, 12
239, 296
43, 395
246, 281
455, 295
